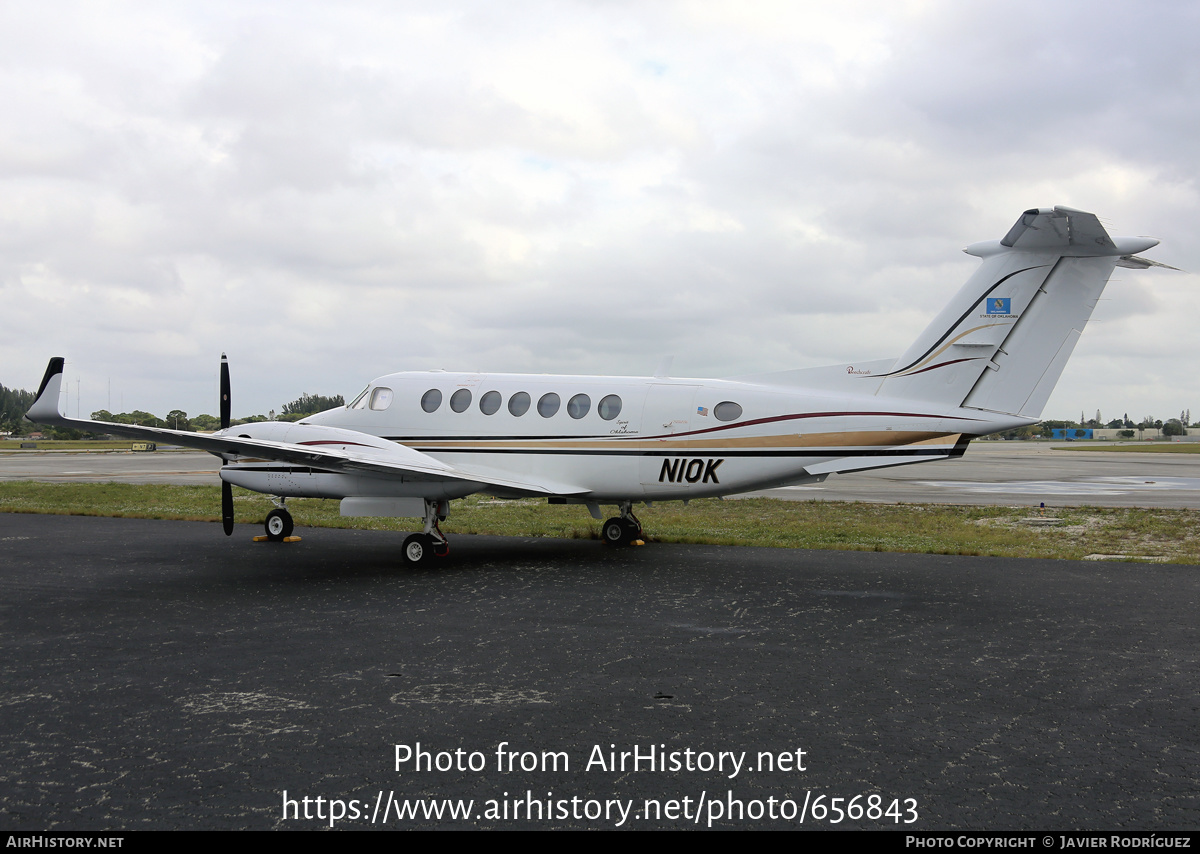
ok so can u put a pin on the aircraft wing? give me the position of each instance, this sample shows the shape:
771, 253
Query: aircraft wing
329, 448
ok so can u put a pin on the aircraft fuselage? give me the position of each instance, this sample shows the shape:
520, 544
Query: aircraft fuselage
673, 438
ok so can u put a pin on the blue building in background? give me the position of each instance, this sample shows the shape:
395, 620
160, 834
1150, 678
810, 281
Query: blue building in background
1072, 433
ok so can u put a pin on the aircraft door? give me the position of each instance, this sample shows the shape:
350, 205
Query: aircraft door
670, 410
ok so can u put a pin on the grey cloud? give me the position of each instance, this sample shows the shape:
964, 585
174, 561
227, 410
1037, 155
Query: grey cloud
330, 193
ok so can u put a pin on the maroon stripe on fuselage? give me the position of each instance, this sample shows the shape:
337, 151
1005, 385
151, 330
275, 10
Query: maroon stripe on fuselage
776, 418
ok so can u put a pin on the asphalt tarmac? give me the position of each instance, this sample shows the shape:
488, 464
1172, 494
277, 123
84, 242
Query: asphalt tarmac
160, 675
167, 467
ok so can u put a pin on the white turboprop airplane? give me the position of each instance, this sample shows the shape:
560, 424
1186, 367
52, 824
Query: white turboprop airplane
411, 442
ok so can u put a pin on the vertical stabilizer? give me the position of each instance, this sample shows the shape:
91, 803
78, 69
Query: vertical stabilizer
1023, 371
1003, 341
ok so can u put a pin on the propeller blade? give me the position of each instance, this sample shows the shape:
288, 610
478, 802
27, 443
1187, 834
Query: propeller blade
227, 507
225, 402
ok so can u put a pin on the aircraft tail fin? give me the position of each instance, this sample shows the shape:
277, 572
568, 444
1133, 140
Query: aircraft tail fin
1003, 341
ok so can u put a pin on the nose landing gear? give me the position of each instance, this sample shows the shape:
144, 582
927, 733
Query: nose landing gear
279, 525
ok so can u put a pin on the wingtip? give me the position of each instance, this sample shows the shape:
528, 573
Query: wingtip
52, 370
45, 406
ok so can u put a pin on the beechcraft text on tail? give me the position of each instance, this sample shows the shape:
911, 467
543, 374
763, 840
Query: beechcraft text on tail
412, 442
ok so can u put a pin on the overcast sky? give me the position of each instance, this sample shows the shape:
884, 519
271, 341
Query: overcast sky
330, 192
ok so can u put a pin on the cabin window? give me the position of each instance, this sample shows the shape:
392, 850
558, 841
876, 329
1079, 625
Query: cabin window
610, 407
460, 400
548, 404
360, 401
518, 404
381, 398
727, 410
431, 400
489, 404
578, 406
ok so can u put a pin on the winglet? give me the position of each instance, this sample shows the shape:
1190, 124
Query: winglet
45, 406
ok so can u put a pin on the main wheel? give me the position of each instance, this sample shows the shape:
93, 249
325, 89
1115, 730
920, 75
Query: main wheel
418, 549
616, 532
279, 525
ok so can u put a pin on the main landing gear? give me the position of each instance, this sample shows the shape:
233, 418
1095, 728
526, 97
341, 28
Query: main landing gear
623, 530
420, 549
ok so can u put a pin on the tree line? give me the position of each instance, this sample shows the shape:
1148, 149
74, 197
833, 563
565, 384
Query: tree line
14, 403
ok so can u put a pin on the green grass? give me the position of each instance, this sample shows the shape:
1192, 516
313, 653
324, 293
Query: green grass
922, 528
1141, 448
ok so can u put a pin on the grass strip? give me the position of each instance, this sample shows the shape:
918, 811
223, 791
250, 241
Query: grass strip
1067, 532
1173, 448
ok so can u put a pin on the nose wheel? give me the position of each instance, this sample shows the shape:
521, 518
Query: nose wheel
279, 525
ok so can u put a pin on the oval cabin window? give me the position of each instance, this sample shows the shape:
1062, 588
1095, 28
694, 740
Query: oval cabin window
460, 400
548, 404
579, 405
518, 404
431, 400
609, 408
489, 404
727, 410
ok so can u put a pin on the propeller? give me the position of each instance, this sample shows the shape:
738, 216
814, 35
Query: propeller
226, 487
225, 404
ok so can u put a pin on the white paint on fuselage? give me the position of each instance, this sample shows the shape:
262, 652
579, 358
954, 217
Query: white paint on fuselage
665, 443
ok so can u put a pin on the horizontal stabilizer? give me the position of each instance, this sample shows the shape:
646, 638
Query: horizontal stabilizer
1133, 262
1066, 231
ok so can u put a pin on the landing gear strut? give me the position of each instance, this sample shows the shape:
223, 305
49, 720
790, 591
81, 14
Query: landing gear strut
279, 525
622, 530
420, 549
